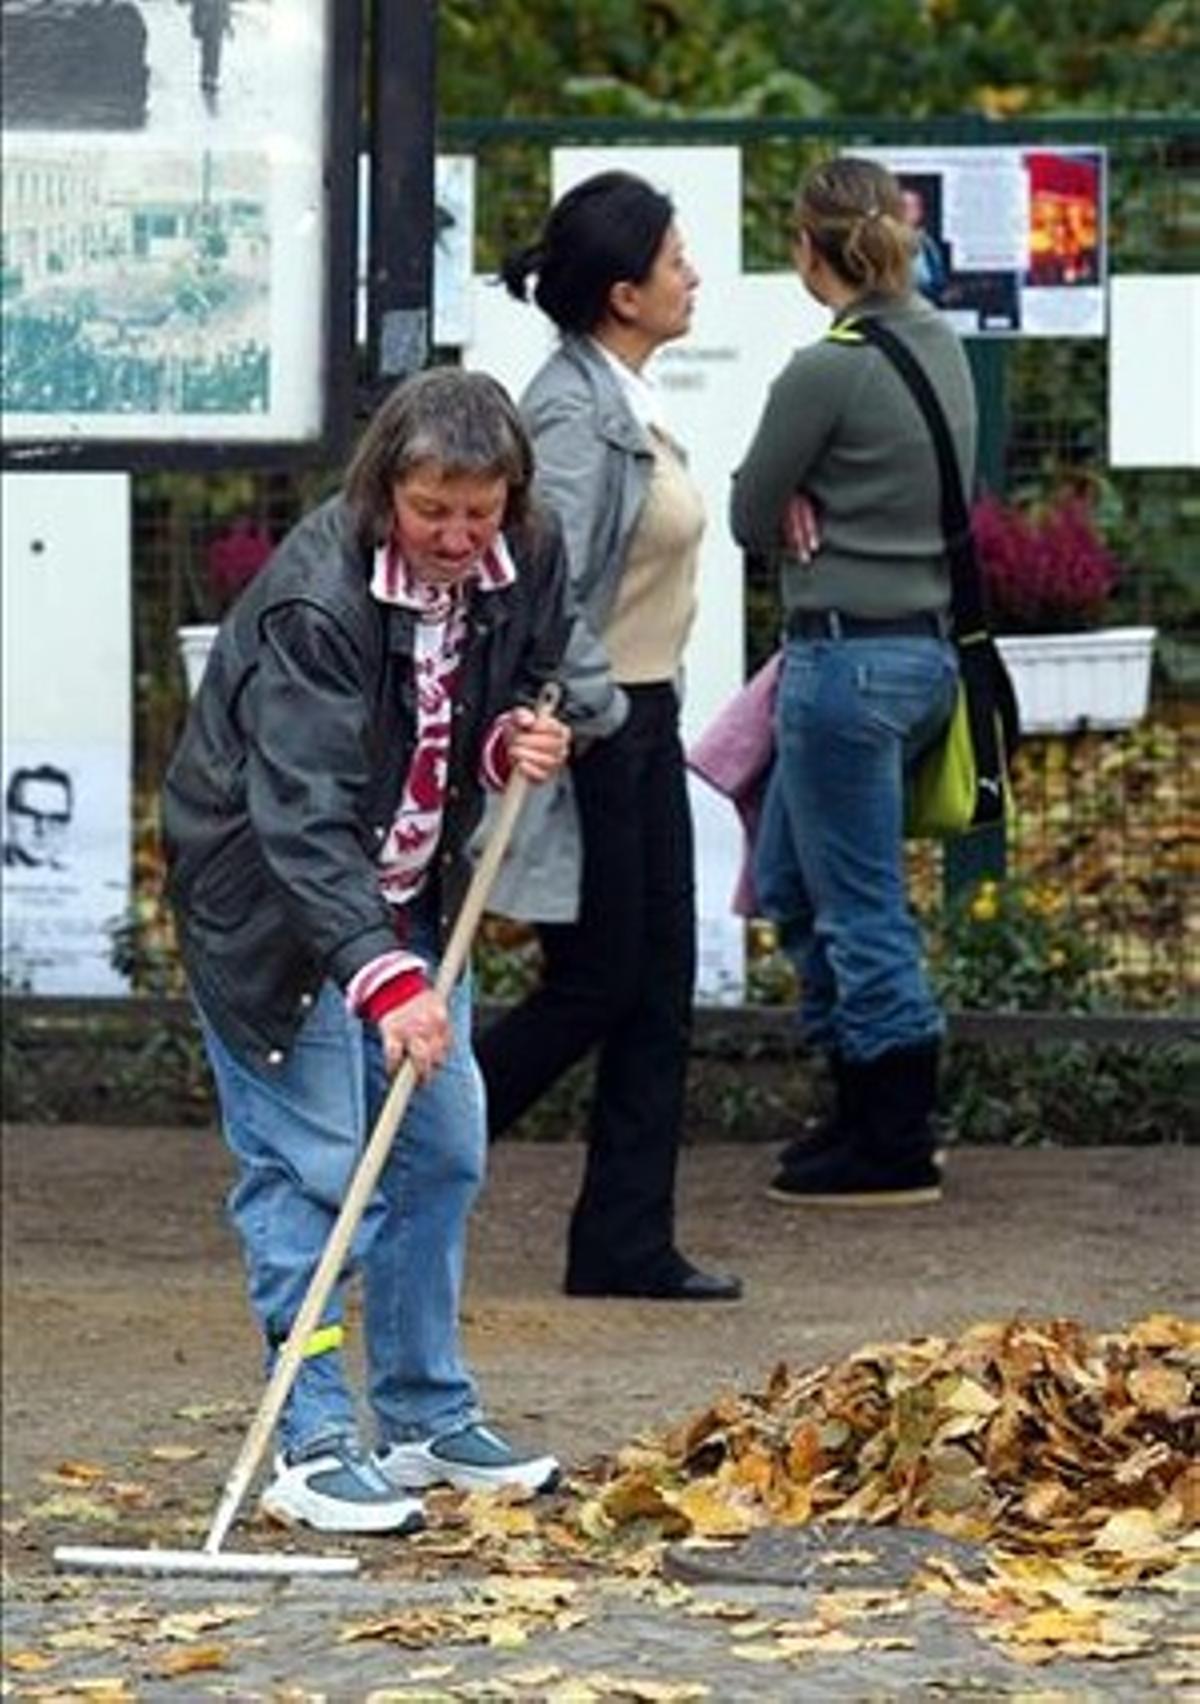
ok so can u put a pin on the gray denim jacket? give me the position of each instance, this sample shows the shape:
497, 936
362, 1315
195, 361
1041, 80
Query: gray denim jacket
594, 467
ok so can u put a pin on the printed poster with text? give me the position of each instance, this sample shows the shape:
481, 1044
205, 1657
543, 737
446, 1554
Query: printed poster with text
1010, 242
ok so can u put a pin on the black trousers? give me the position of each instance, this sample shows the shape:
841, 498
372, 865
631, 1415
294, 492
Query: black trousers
620, 980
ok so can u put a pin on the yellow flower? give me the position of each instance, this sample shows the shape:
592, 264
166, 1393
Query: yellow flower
996, 102
984, 908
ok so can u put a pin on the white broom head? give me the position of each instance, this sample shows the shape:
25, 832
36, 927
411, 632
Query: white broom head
219, 1563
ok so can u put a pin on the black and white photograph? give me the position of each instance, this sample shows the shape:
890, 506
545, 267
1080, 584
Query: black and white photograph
157, 67
38, 806
123, 297
64, 880
163, 185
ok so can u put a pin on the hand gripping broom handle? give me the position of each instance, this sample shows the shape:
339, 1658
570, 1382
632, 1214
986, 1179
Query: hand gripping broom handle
366, 1176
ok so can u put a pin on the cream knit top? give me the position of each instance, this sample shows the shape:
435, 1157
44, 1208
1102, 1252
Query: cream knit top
655, 604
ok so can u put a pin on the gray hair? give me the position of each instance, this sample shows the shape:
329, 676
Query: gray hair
458, 422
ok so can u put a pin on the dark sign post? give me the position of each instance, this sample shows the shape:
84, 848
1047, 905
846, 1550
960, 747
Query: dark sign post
401, 238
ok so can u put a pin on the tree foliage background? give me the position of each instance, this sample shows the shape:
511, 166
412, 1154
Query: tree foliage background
818, 58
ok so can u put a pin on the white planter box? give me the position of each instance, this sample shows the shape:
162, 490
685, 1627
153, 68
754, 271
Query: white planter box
1067, 681
194, 645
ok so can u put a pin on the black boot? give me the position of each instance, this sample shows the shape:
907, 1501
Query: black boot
830, 1131
888, 1157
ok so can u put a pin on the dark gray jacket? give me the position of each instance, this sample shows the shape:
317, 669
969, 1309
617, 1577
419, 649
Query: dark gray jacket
290, 769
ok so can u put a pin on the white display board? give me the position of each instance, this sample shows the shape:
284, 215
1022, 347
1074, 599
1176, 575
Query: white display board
1154, 371
67, 696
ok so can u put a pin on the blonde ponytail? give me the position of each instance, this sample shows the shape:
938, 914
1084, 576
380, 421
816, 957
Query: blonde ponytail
854, 215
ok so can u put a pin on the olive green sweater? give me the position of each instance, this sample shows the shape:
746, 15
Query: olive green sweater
842, 426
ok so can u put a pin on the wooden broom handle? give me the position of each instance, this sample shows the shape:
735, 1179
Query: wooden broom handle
366, 1175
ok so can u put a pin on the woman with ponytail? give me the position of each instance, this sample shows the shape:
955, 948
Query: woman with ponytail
604, 865
841, 487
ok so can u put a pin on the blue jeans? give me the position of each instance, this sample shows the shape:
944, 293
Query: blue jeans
852, 715
297, 1134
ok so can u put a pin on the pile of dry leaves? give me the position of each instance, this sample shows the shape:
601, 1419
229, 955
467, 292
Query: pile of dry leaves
1035, 1436
1072, 1456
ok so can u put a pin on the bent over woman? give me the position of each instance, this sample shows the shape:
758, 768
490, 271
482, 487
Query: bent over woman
362, 694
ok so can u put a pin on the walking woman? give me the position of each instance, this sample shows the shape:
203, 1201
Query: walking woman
607, 873
840, 486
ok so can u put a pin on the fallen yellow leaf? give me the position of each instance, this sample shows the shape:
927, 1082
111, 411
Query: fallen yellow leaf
29, 1662
194, 1659
506, 1633
75, 1473
104, 1689
1160, 1389
187, 1624
176, 1452
1131, 1532
74, 1508
85, 1639
709, 1514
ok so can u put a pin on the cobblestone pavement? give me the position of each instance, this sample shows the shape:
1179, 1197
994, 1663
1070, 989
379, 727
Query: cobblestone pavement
626, 1642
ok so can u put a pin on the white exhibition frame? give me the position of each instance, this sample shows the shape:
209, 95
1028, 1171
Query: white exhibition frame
167, 282
1154, 371
68, 729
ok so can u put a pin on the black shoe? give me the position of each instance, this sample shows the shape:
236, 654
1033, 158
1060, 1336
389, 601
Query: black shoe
843, 1178
831, 1131
888, 1157
679, 1282
818, 1138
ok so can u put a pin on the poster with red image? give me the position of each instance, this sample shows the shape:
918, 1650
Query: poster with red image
1010, 242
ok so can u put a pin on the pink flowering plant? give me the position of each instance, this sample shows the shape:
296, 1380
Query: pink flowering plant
1045, 570
234, 556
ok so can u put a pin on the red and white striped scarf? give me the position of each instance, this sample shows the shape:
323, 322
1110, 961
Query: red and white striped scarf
440, 631
409, 846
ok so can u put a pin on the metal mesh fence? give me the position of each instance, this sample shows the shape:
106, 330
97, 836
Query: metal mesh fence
1108, 822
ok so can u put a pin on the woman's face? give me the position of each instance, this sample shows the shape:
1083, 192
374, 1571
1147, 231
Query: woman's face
661, 305
445, 522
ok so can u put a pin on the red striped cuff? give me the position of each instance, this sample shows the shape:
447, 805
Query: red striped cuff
398, 992
495, 761
385, 983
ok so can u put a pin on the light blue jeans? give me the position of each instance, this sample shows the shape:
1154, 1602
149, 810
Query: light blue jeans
852, 715
297, 1134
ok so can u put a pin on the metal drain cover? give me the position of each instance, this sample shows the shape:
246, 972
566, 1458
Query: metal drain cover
824, 1557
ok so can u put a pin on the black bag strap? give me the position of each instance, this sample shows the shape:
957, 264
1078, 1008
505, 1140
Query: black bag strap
989, 689
966, 581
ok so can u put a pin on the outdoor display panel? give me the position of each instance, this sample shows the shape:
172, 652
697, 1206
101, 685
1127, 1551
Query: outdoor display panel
178, 199
66, 673
1012, 240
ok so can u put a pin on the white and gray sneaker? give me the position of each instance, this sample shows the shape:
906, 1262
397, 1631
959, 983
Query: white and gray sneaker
474, 1458
339, 1488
